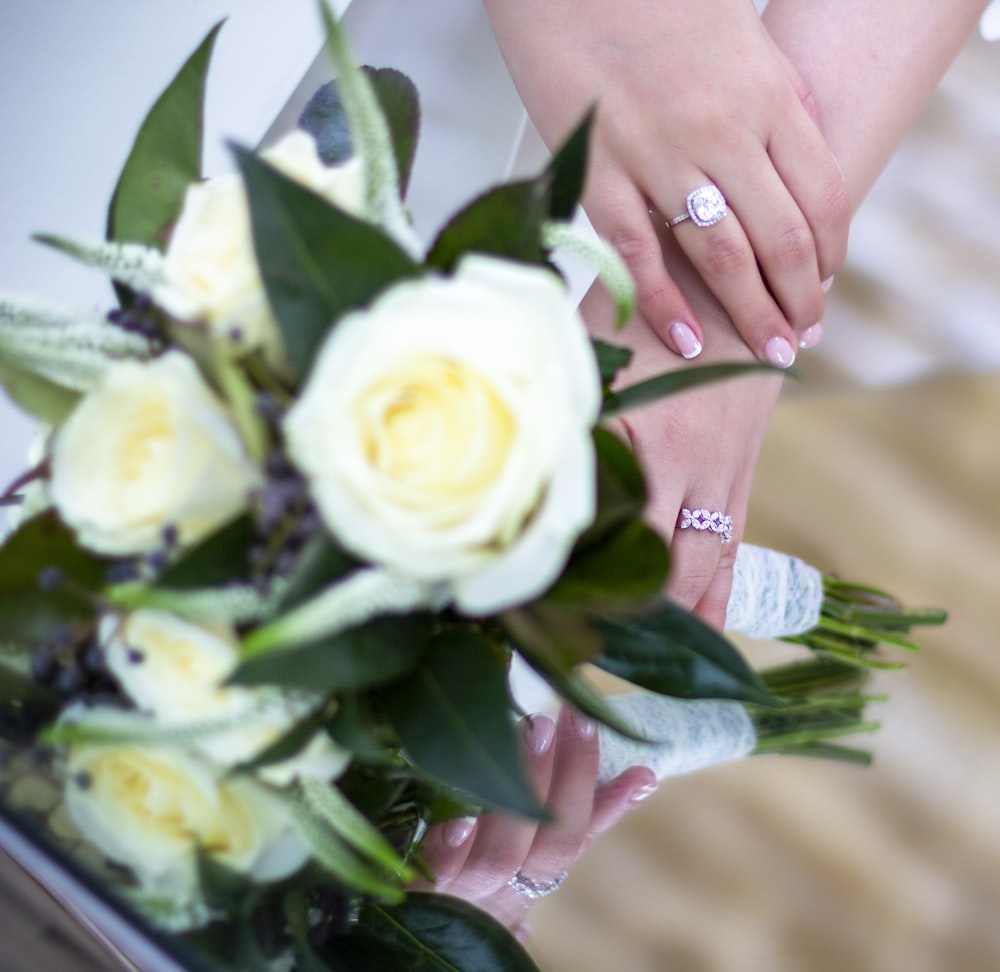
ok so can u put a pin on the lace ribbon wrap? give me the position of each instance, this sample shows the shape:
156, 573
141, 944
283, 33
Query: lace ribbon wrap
774, 595
698, 734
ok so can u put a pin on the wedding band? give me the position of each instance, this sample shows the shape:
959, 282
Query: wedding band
520, 884
716, 521
705, 207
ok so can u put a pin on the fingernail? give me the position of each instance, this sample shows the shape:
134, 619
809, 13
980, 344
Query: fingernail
779, 352
811, 336
456, 832
827, 284
642, 793
584, 727
539, 733
688, 345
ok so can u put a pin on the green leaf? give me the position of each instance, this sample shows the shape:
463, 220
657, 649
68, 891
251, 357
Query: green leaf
452, 717
24, 706
621, 488
670, 651
216, 561
568, 170
317, 262
40, 398
505, 221
673, 382
547, 657
611, 358
325, 118
627, 564
431, 933
356, 726
165, 158
320, 564
373, 653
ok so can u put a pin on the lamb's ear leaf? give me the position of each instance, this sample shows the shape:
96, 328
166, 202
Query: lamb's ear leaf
165, 157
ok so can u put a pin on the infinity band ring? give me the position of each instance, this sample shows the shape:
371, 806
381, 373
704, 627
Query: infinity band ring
705, 207
520, 884
716, 521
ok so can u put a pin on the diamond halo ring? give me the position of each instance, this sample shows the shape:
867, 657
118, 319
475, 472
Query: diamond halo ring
714, 520
705, 207
521, 884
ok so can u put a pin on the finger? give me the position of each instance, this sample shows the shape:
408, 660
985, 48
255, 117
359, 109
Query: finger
723, 256
613, 800
632, 232
696, 554
503, 840
570, 801
445, 849
712, 605
782, 240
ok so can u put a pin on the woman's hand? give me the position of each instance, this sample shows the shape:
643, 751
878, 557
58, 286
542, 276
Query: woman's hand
698, 450
476, 859
690, 93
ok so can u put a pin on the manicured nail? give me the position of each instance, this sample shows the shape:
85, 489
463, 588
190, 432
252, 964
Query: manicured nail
779, 352
539, 733
456, 832
811, 336
688, 345
584, 727
642, 793
827, 284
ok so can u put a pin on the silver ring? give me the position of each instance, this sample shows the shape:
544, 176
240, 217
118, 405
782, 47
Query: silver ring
705, 207
716, 521
520, 884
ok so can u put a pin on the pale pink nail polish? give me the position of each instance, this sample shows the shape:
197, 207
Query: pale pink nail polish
643, 793
539, 734
811, 336
827, 284
779, 353
688, 345
585, 728
456, 832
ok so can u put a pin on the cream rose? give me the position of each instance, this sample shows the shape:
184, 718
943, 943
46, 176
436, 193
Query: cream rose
446, 431
210, 271
150, 446
175, 671
151, 807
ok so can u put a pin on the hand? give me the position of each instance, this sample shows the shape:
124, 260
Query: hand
690, 93
698, 449
476, 859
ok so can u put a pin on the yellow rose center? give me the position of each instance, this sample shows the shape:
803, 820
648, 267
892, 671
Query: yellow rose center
149, 431
437, 430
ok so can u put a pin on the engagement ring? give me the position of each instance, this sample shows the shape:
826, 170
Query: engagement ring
520, 884
716, 521
705, 207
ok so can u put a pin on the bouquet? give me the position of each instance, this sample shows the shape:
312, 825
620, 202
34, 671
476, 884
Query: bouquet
299, 500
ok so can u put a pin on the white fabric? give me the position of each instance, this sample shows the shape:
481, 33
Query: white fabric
773, 595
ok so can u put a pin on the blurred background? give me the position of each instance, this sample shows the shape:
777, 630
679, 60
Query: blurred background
883, 466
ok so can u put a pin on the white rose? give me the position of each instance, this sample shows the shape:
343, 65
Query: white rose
210, 271
150, 446
446, 431
176, 670
151, 807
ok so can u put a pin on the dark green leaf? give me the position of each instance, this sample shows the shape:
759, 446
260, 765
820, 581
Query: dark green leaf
431, 933
505, 221
165, 159
568, 170
536, 647
621, 488
216, 561
45, 541
356, 726
556, 632
320, 564
628, 564
25, 707
326, 120
452, 717
370, 654
611, 358
670, 651
40, 398
673, 382
317, 262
